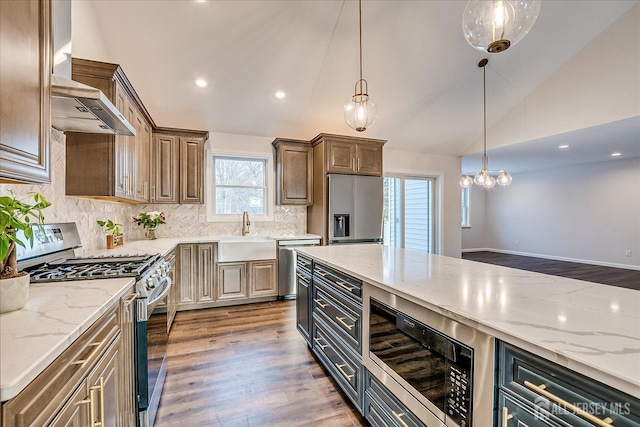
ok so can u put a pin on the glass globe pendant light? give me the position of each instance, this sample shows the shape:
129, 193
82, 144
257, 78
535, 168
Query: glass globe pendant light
360, 112
494, 25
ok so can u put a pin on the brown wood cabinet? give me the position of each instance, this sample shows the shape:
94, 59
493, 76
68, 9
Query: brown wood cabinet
115, 167
25, 81
127, 390
338, 154
86, 379
294, 172
195, 275
178, 166
232, 281
263, 278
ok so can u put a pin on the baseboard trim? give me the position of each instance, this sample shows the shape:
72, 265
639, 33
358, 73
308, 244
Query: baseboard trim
556, 258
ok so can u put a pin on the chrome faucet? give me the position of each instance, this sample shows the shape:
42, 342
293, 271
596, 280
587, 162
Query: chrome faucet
245, 223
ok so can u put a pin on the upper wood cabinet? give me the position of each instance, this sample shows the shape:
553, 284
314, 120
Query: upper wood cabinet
350, 155
25, 82
178, 166
110, 166
294, 172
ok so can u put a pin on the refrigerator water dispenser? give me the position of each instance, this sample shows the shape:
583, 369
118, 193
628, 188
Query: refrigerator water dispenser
341, 225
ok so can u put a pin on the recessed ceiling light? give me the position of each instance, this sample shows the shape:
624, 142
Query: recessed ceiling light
201, 83
200, 1
616, 154
280, 94
565, 146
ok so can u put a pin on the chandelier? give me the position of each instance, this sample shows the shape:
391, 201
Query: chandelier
494, 25
485, 178
360, 112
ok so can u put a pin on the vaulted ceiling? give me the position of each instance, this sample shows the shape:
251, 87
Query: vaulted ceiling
422, 74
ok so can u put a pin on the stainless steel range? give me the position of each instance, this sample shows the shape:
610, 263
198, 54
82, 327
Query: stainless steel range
52, 259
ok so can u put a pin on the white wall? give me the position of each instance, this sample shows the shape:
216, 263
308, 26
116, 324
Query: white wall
86, 35
598, 85
589, 213
447, 169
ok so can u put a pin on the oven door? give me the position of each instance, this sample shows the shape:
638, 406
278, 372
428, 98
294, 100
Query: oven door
152, 341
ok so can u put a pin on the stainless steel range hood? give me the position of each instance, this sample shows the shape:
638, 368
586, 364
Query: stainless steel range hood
76, 107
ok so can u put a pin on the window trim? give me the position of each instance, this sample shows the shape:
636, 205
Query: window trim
209, 188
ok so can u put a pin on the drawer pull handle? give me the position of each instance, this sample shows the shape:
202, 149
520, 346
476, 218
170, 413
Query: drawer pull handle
301, 276
317, 340
398, 416
131, 299
100, 388
320, 303
318, 272
83, 362
344, 374
506, 416
342, 285
607, 422
346, 325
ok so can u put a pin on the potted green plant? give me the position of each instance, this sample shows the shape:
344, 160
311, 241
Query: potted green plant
115, 237
16, 220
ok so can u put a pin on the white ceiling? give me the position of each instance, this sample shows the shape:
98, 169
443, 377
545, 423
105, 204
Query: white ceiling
422, 74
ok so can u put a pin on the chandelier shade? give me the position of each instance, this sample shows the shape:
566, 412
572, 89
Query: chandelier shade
495, 25
485, 178
360, 112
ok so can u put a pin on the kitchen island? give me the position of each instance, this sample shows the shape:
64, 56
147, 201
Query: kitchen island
589, 328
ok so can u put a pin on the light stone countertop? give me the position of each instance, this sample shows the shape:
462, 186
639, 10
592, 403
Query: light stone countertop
57, 314
590, 328
54, 317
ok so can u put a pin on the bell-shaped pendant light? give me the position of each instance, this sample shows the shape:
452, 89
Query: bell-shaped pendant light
360, 112
484, 178
494, 25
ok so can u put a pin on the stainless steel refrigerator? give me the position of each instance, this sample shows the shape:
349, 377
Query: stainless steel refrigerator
355, 209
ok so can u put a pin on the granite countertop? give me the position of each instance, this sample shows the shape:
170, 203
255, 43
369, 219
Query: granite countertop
590, 328
54, 317
57, 314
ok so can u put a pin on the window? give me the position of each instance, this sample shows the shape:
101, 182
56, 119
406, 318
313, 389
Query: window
409, 213
465, 207
239, 184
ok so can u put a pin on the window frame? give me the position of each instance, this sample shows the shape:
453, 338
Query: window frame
210, 188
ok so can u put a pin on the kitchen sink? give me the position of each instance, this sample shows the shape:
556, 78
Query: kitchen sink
246, 248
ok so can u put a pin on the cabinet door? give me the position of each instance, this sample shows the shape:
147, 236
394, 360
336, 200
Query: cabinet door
303, 306
164, 187
263, 280
295, 175
143, 158
186, 274
121, 151
341, 157
231, 281
127, 389
369, 159
104, 388
205, 275
25, 79
191, 170
76, 411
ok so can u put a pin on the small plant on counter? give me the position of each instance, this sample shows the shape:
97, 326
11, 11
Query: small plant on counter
17, 215
150, 220
110, 227
113, 232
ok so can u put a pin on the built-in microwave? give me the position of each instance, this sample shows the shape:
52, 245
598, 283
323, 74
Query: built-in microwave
441, 369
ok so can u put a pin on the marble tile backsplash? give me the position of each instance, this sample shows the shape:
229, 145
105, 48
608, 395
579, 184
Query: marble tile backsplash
181, 219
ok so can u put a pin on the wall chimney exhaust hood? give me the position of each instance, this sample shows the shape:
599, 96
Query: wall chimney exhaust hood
76, 107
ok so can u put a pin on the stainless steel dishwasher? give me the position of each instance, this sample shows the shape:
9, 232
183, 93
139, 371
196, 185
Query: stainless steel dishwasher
287, 265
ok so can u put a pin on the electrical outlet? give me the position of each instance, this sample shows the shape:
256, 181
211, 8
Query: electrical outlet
627, 253
201, 218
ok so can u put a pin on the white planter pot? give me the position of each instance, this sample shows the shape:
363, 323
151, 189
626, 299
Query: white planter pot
14, 293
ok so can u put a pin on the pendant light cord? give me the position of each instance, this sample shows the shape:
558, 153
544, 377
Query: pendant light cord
485, 160
360, 24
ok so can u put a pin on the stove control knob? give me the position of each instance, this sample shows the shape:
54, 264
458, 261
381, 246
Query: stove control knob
156, 280
150, 284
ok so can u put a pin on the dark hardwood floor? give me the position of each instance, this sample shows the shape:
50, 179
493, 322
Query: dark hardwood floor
621, 277
247, 365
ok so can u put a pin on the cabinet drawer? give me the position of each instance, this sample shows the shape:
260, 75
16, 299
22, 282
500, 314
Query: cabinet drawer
387, 408
514, 413
303, 265
345, 368
39, 402
563, 392
343, 283
340, 314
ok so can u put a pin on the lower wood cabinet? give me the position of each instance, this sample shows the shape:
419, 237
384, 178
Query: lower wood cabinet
232, 281
263, 278
88, 384
247, 280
